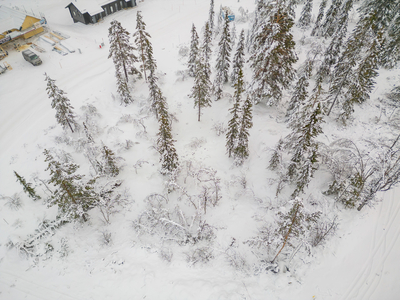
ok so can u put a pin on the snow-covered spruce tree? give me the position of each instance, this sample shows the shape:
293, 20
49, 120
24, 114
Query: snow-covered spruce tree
123, 89
201, 91
142, 41
241, 151
165, 143
234, 123
108, 162
273, 55
72, 195
302, 142
305, 17
317, 26
238, 59
300, 93
122, 54
223, 59
121, 50
91, 150
390, 54
206, 49
194, 51
354, 74
211, 15
331, 18
64, 110
27, 187
294, 224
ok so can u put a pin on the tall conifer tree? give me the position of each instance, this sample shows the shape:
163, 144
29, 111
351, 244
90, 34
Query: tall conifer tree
142, 41
64, 110
273, 55
194, 51
223, 59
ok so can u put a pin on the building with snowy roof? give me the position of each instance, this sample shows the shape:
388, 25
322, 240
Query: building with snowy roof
91, 11
16, 23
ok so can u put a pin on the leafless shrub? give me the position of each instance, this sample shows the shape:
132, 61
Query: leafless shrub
106, 238
14, 202
199, 255
219, 128
322, 231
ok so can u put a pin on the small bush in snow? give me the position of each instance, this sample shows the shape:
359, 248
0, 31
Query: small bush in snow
14, 202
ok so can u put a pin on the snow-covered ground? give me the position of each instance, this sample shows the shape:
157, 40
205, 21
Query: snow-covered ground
359, 262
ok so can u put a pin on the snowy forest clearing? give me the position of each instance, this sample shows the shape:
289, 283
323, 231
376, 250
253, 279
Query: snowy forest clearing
201, 247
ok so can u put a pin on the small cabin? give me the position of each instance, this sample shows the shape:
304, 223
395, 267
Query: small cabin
91, 11
18, 24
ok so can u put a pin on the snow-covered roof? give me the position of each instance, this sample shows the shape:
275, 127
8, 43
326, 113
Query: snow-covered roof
10, 18
92, 7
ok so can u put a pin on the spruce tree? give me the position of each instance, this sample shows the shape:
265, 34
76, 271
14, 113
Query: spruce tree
64, 110
121, 50
234, 123
194, 51
165, 143
238, 59
211, 16
201, 90
142, 42
305, 17
27, 187
206, 48
123, 89
223, 59
300, 93
241, 151
109, 165
317, 26
122, 54
72, 196
302, 142
273, 55
328, 27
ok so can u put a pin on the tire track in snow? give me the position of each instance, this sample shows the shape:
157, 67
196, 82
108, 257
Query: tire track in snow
367, 277
28, 287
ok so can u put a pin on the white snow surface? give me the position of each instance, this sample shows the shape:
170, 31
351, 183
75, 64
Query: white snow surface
359, 262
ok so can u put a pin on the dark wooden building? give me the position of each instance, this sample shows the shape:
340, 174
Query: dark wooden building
91, 11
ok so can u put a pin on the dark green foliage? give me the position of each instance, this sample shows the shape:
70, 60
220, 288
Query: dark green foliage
142, 42
273, 55
27, 187
332, 52
123, 89
223, 60
109, 165
302, 143
122, 53
276, 158
234, 122
201, 89
241, 151
194, 52
165, 144
72, 195
121, 50
317, 27
331, 18
211, 15
238, 59
64, 110
300, 93
305, 17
